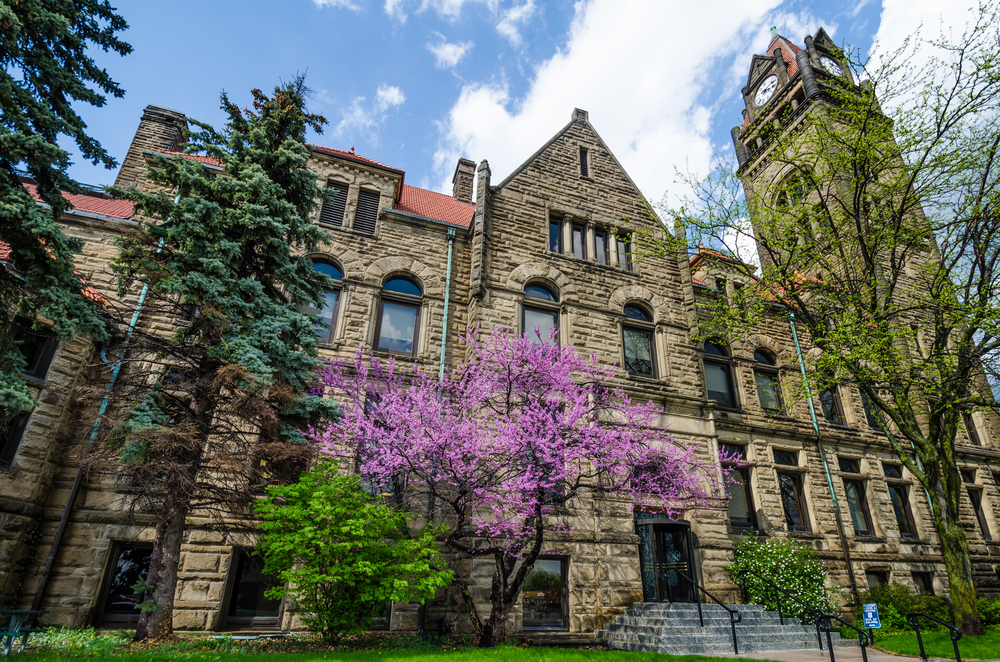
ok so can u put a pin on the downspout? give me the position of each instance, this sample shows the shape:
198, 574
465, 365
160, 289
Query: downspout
43, 581
826, 466
422, 616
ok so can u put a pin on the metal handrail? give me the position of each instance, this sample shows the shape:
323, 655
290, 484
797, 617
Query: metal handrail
816, 613
732, 612
863, 637
955, 633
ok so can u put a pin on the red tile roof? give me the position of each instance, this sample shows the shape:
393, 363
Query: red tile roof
4, 251
208, 160
353, 156
437, 206
788, 51
87, 290
97, 203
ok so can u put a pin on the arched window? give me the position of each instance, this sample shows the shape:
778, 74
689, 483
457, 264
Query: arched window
794, 189
719, 375
331, 300
540, 312
637, 341
398, 316
765, 374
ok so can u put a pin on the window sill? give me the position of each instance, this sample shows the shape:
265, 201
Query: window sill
31, 380
593, 263
805, 535
350, 231
644, 378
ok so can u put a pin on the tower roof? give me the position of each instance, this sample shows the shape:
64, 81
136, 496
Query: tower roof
788, 51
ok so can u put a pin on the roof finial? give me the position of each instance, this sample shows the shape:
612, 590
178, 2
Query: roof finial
352, 149
774, 30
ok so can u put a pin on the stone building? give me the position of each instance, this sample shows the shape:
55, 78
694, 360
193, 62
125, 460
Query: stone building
551, 245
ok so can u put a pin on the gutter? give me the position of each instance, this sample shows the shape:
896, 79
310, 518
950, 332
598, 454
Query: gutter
447, 292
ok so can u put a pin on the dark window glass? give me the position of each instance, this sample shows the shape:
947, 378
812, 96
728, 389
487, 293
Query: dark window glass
334, 204
248, 599
833, 408
584, 166
792, 502
37, 346
537, 291
402, 286
720, 285
740, 499
787, 458
858, 507
366, 214
719, 382
892, 470
601, 245
733, 451
579, 242
555, 236
130, 564
872, 415
634, 312
638, 344
763, 357
716, 350
624, 253
976, 497
11, 433
849, 466
328, 313
539, 323
328, 269
769, 391
968, 475
923, 583
901, 509
544, 596
876, 578
970, 427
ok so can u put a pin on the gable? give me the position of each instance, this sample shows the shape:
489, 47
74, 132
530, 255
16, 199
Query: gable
823, 39
759, 66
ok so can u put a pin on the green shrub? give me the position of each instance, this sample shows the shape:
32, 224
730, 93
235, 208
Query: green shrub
989, 611
67, 640
341, 554
896, 601
792, 566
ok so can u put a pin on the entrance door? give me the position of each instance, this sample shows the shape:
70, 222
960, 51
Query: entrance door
664, 553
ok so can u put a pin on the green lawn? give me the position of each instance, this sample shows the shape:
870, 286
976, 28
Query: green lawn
500, 654
938, 644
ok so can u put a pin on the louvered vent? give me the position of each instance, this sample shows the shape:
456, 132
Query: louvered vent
333, 205
367, 213
584, 169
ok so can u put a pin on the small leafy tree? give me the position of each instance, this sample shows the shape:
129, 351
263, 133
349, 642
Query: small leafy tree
342, 554
789, 564
500, 444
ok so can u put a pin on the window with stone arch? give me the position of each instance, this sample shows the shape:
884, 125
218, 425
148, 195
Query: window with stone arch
540, 312
327, 314
638, 341
398, 321
765, 375
719, 375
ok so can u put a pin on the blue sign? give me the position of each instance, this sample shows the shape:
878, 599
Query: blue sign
869, 613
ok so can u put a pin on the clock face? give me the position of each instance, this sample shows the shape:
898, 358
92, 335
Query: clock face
765, 90
831, 66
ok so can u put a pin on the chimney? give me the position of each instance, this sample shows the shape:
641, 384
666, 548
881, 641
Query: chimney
160, 130
461, 182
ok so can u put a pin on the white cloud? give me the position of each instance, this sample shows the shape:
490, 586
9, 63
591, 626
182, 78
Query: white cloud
642, 70
446, 54
342, 4
362, 118
512, 19
452, 9
901, 18
394, 9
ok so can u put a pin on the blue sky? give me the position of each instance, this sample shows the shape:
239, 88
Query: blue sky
418, 83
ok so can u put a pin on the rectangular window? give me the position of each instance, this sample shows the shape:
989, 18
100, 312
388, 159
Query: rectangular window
968, 475
833, 408
248, 606
541, 320
366, 214
740, 499
872, 415
11, 433
717, 380
858, 507
129, 564
923, 583
876, 578
579, 241
970, 427
787, 458
793, 503
769, 392
638, 345
624, 253
849, 466
584, 166
901, 509
976, 497
38, 346
555, 235
545, 600
892, 470
397, 327
334, 203
601, 246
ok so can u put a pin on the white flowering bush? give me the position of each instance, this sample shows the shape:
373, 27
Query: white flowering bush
792, 566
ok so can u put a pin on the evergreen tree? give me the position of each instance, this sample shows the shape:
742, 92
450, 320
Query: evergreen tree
44, 69
216, 382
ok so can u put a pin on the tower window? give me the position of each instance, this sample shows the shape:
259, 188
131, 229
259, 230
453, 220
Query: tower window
584, 166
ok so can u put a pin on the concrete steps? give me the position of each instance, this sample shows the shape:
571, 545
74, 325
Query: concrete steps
676, 629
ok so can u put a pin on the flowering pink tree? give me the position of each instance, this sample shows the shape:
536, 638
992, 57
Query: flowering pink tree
500, 443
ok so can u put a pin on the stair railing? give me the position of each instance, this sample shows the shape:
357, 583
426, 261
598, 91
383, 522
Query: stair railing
956, 634
816, 613
863, 638
734, 614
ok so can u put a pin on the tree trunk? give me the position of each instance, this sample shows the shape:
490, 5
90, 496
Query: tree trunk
162, 573
962, 592
495, 628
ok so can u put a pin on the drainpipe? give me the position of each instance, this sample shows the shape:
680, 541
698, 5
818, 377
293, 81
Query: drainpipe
422, 615
43, 581
826, 466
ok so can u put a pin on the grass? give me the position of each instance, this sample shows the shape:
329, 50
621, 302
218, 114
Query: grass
938, 644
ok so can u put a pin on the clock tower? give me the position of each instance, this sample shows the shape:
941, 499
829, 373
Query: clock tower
780, 86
